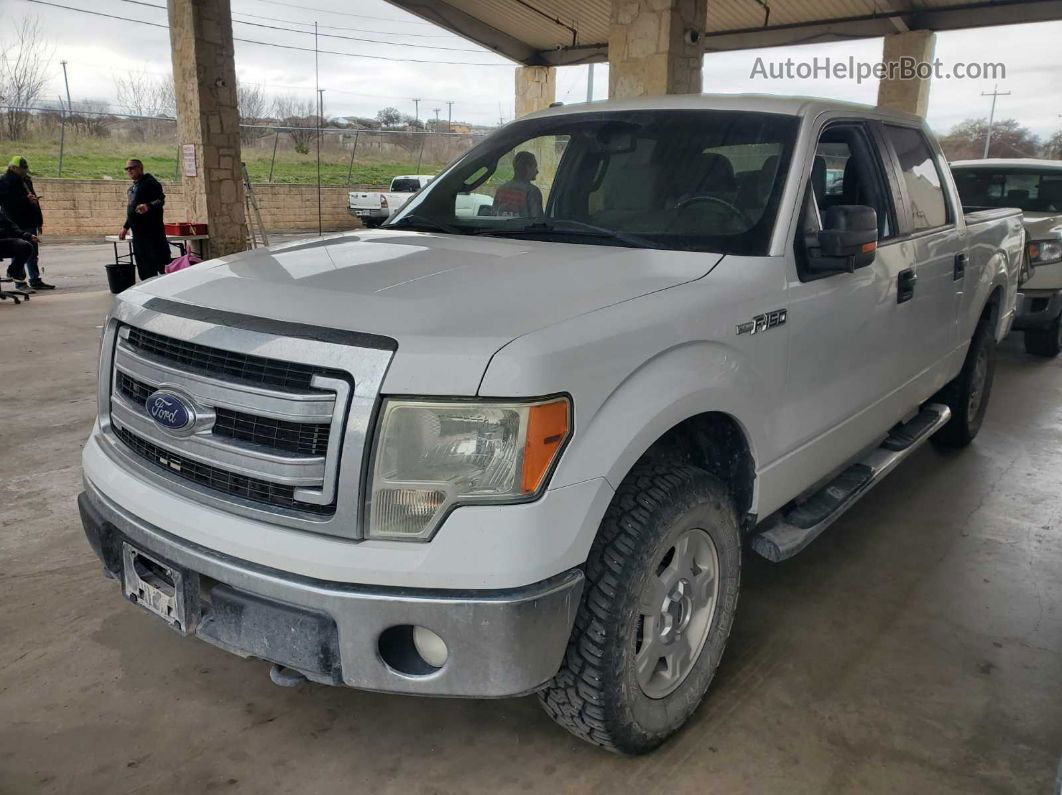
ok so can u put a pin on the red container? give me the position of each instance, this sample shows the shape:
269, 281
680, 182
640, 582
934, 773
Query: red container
198, 229
183, 228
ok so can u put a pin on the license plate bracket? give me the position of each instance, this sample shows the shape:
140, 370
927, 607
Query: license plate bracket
156, 586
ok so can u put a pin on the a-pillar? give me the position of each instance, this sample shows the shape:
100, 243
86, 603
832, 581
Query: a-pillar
536, 89
208, 118
656, 47
906, 92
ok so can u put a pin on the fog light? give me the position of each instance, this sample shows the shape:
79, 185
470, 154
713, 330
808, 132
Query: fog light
430, 647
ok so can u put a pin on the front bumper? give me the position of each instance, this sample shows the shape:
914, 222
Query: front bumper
1037, 309
500, 643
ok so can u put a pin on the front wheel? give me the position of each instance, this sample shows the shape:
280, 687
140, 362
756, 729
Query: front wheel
661, 593
1045, 342
967, 395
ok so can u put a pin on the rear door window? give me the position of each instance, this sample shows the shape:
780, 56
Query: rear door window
921, 177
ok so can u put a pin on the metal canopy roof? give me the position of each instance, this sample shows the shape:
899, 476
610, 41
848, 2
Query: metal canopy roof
561, 32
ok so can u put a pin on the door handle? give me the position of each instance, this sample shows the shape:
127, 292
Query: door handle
961, 260
905, 284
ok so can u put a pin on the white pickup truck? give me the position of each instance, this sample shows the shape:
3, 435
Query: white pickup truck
375, 207
1035, 187
521, 451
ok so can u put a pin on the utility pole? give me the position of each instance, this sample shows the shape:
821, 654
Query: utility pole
317, 87
590, 83
416, 108
992, 115
449, 115
320, 105
62, 129
436, 111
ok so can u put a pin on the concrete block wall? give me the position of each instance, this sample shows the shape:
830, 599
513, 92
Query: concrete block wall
93, 208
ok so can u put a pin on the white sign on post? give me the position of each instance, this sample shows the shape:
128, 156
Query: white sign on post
188, 156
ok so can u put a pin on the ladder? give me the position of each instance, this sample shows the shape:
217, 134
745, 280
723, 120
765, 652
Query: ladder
255, 229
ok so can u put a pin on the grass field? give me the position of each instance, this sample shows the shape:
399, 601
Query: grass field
100, 159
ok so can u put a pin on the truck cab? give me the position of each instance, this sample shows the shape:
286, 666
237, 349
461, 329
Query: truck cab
521, 450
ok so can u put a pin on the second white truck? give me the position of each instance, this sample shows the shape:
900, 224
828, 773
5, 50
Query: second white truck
520, 450
1035, 187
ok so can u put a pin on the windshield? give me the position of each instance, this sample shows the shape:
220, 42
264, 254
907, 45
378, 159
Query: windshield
1029, 190
686, 180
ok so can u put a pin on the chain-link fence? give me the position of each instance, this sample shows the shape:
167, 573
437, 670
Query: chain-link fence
96, 144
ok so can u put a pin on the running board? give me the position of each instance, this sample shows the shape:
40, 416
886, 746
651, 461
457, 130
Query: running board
798, 527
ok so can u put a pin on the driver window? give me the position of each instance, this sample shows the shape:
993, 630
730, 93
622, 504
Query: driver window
846, 172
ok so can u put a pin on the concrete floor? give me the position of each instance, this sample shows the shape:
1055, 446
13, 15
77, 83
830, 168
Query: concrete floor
916, 647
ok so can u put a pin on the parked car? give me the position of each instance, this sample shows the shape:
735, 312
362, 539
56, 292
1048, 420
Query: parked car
490, 455
1034, 186
374, 207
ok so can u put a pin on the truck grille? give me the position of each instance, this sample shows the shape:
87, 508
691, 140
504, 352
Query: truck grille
241, 367
228, 483
294, 437
263, 428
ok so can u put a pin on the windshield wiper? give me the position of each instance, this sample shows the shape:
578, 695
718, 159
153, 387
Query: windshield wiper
421, 223
569, 227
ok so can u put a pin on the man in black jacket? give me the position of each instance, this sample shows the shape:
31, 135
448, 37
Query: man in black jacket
16, 245
143, 218
23, 208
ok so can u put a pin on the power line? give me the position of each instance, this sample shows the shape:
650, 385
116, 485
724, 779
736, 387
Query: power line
343, 27
271, 43
325, 35
166, 72
346, 13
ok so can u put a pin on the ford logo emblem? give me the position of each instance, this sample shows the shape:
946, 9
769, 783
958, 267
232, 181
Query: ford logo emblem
169, 411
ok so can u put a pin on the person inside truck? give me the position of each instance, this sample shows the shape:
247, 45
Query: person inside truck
519, 197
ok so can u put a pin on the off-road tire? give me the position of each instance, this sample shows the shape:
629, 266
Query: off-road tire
596, 695
1045, 342
966, 421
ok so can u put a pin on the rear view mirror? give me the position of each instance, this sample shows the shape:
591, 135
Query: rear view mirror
848, 239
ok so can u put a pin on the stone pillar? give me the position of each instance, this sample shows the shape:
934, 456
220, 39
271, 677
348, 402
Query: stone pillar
656, 47
899, 93
536, 89
204, 80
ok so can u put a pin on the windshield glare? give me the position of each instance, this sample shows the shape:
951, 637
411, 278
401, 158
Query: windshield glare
686, 180
1030, 191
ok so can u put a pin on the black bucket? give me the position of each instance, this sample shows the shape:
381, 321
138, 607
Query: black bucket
120, 277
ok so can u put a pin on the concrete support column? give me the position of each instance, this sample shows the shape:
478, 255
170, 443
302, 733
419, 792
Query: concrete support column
204, 80
897, 93
656, 47
536, 89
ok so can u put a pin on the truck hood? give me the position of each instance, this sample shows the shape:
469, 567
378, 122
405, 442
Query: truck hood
1039, 226
450, 301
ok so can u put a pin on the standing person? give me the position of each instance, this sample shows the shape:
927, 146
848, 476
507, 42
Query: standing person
144, 219
23, 209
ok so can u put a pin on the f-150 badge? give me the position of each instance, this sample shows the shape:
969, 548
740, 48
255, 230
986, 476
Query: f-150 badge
761, 323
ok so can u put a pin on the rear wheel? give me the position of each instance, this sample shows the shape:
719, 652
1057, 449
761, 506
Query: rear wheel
660, 598
967, 396
1045, 342
372, 223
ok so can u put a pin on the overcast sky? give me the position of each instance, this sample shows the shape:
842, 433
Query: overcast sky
97, 49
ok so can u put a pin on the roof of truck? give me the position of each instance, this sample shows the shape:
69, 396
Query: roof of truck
763, 103
1008, 162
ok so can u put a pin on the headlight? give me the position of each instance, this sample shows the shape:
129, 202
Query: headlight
433, 455
1044, 252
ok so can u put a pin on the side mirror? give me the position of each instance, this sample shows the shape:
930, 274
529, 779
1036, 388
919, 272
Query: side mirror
848, 240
